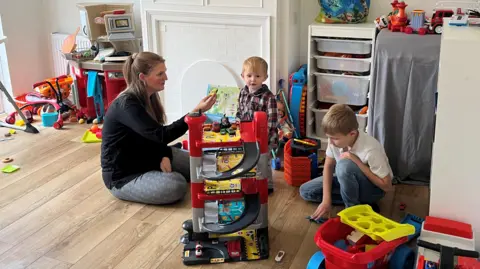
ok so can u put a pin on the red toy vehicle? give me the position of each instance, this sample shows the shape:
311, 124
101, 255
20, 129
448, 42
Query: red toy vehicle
436, 22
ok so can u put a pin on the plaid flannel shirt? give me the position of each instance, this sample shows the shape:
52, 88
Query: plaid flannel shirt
261, 100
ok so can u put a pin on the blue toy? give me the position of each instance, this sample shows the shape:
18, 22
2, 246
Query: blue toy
343, 11
49, 118
276, 163
299, 80
94, 89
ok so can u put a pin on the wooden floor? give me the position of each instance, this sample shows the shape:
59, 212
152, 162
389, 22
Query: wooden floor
56, 213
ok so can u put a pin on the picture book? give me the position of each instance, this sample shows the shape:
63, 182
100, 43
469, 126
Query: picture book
227, 102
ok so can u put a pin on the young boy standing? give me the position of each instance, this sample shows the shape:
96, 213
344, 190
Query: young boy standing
362, 171
256, 96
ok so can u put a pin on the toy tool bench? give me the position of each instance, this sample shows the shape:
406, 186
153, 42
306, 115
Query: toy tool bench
229, 191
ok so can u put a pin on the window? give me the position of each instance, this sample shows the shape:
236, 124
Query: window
4, 72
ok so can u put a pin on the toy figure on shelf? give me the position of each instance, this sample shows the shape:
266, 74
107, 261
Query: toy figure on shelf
398, 21
417, 23
285, 127
381, 22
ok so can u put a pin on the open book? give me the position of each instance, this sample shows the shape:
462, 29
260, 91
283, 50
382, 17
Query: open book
227, 103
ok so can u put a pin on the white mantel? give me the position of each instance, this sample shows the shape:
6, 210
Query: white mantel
189, 33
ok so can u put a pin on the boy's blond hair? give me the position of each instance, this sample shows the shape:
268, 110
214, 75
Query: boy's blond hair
255, 64
340, 119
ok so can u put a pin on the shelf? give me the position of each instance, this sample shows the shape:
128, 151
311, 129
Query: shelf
361, 30
334, 77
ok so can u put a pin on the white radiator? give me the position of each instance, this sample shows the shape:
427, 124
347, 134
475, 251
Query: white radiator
59, 62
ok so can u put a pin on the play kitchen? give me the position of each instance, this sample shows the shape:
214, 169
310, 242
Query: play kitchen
97, 71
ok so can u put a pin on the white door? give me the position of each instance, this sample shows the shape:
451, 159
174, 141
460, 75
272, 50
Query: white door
184, 38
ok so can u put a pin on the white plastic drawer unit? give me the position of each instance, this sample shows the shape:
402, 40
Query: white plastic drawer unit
320, 113
344, 46
362, 122
343, 64
343, 89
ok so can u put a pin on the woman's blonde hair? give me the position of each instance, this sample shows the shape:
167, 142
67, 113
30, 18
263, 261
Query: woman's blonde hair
135, 65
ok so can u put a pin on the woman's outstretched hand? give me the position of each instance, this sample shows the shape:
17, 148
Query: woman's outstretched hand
206, 103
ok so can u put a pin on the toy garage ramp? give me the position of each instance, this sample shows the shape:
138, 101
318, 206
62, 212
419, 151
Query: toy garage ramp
250, 214
249, 161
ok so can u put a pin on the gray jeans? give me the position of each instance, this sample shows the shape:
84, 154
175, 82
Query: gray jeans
157, 188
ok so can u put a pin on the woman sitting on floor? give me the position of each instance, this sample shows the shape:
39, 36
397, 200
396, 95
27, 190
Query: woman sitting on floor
137, 163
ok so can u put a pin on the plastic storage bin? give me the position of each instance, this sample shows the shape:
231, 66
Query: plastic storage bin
343, 64
362, 122
298, 170
342, 89
319, 114
344, 46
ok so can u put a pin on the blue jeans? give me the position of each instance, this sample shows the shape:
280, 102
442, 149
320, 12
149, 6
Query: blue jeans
349, 187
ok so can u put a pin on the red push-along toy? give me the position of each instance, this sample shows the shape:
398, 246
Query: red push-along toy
360, 238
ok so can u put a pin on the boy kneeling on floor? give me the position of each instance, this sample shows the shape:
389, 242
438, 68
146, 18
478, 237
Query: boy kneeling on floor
362, 171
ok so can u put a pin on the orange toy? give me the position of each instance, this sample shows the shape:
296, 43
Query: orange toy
297, 168
398, 21
70, 43
65, 83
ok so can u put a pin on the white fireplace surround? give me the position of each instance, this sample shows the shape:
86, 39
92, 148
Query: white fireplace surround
154, 18
222, 31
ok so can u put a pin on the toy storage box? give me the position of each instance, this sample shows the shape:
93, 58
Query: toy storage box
343, 45
342, 89
343, 64
298, 170
320, 113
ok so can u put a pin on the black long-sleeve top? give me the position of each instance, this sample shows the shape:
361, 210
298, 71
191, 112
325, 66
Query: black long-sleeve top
133, 143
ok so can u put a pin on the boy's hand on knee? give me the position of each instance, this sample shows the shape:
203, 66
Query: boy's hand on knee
322, 209
166, 165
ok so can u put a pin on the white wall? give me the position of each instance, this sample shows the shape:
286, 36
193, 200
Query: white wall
24, 25
455, 180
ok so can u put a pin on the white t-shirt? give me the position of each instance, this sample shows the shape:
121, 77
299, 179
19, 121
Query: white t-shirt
370, 152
